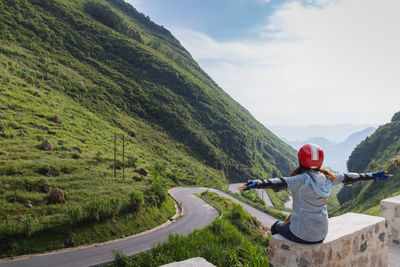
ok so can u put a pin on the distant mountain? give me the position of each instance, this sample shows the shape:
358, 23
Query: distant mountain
321, 141
336, 154
380, 151
335, 133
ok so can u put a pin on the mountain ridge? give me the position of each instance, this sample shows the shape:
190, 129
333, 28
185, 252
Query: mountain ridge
378, 152
102, 68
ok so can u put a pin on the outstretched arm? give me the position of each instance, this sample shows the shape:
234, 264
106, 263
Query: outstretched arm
352, 177
275, 184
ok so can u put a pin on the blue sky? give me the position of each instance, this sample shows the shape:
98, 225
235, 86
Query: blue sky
221, 19
294, 62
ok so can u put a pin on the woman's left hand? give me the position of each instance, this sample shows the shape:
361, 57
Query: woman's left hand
382, 175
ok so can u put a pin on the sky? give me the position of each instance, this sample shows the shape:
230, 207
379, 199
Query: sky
294, 62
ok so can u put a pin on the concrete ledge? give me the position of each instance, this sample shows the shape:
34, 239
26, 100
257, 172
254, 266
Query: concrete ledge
353, 240
390, 209
194, 262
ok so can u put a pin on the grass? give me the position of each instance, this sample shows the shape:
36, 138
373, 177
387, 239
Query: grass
235, 240
102, 68
84, 178
271, 211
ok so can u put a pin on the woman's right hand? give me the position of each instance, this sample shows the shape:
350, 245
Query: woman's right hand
250, 184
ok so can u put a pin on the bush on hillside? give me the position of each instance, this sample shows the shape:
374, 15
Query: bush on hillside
156, 194
136, 200
100, 209
29, 224
10, 169
75, 214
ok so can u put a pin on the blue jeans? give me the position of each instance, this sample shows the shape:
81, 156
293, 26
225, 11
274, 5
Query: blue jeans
277, 228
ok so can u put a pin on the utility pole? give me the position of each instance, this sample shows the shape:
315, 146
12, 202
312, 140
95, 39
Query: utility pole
123, 156
115, 155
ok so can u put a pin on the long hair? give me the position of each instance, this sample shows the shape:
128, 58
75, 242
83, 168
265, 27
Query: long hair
301, 169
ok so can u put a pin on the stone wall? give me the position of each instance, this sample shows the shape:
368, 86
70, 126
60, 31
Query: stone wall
390, 209
353, 240
194, 262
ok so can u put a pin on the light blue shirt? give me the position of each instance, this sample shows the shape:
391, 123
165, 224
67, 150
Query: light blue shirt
309, 219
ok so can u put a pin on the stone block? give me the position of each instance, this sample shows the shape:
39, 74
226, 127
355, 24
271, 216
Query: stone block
194, 262
390, 209
353, 240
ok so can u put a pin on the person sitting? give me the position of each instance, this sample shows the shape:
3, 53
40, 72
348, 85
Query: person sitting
310, 185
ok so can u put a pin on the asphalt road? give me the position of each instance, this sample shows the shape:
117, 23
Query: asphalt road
196, 214
261, 193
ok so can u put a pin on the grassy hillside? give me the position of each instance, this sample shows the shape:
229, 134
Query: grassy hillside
378, 152
76, 72
131, 64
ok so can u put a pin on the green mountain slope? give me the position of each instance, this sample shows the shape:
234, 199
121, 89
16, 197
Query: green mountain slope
104, 68
139, 68
375, 153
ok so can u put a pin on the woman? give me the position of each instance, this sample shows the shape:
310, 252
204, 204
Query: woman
310, 185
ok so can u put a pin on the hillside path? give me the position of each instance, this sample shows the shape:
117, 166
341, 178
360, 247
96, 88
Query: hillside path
196, 214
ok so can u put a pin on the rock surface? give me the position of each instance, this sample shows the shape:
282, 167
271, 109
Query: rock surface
57, 119
47, 145
57, 196
353, 240
194, 262
390, 209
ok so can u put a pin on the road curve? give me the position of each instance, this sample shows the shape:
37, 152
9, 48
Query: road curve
196, 214
261, 193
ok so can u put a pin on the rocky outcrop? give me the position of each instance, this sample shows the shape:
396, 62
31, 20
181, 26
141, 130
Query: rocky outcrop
56, 196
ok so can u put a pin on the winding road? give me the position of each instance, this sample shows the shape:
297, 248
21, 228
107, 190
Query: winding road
261, 193
196, 214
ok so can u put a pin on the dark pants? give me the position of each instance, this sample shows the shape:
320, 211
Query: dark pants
277, 228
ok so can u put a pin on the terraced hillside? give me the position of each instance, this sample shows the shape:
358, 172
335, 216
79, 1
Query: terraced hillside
73, 74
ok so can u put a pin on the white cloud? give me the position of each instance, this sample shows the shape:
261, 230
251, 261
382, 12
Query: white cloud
335, 64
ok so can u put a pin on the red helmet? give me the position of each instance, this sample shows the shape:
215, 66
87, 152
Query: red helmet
311, 156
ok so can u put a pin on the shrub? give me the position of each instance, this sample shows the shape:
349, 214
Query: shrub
237, 212
99, 156
29, 224
155, 195
131, 162
10, 169
75, 213
121, 260
46, 169
115, 205
100, 209
97, 209
157, 170
136, 200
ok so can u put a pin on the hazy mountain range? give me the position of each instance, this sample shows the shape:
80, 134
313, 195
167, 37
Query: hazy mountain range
334, 132
336, 154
